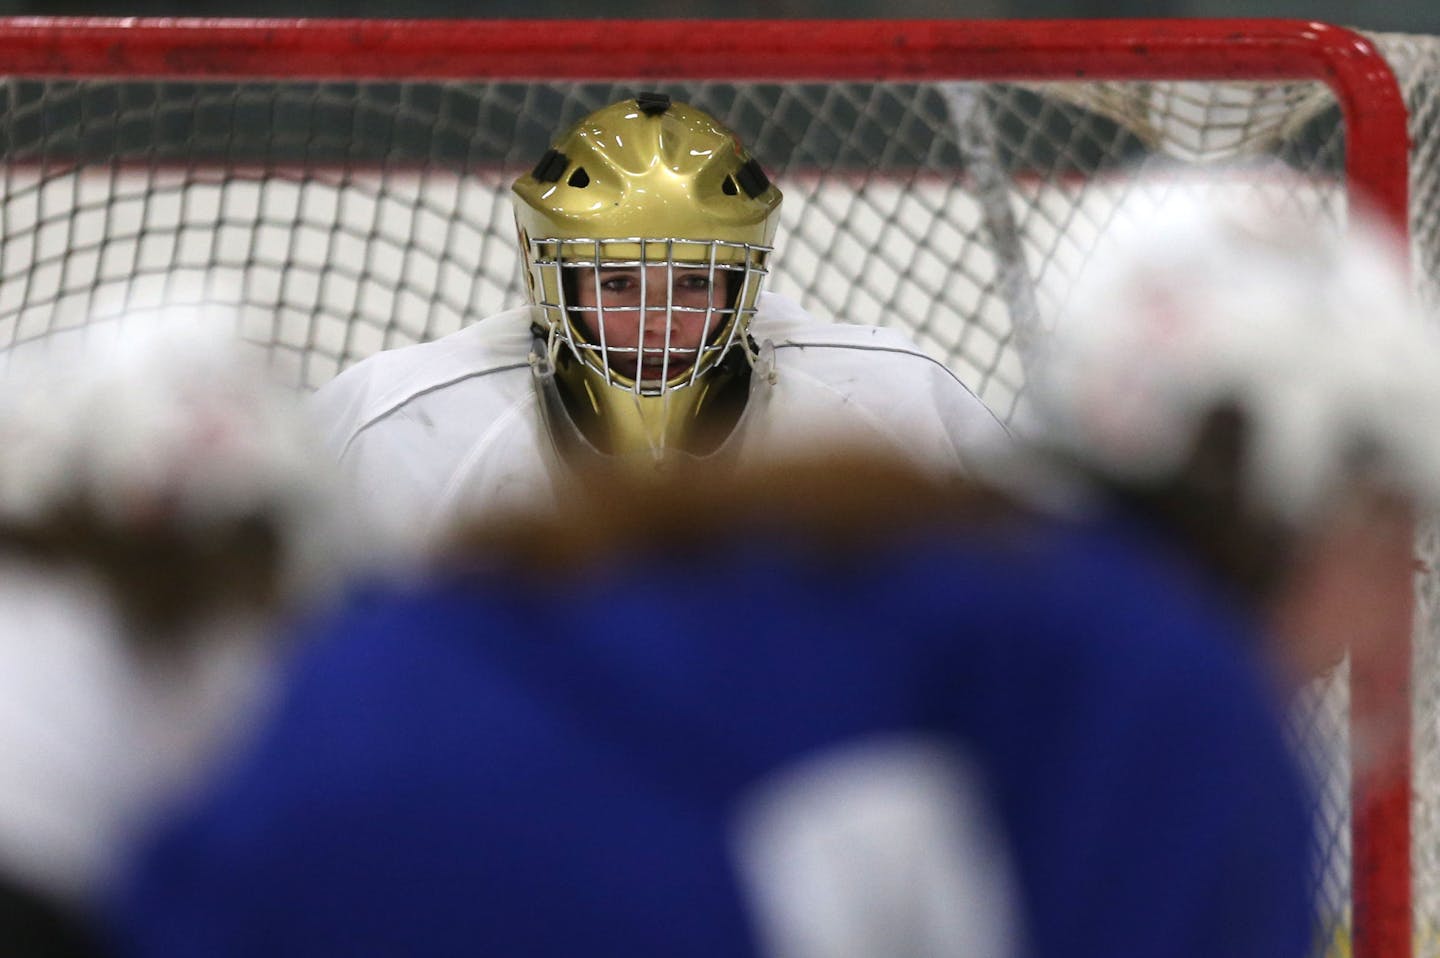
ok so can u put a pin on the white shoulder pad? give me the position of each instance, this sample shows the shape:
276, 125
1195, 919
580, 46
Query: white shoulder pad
376, 386
783, 321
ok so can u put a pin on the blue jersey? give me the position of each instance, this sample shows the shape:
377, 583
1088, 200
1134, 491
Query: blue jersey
501, 766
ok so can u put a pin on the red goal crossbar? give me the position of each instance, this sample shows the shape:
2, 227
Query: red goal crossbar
779, 50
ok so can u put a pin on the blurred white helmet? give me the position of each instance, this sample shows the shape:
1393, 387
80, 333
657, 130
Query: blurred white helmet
163, 419
1196, 302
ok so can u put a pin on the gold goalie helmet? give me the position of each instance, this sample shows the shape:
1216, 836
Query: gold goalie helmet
646, 232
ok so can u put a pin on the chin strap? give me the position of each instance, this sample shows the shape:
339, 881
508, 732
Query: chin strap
592, 423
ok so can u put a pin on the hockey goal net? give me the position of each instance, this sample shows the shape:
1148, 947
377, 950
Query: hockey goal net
344, 184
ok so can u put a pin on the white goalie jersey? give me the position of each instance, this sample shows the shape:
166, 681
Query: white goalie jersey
434, 432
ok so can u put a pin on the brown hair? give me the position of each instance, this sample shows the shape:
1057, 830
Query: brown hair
163, 577
845, 501
839, 502
1205, 506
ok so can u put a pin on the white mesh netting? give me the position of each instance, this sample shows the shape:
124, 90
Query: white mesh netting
348, 217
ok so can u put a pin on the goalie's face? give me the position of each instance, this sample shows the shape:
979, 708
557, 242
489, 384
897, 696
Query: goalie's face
651, 321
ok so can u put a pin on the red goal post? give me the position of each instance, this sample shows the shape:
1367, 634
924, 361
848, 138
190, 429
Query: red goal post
342, 180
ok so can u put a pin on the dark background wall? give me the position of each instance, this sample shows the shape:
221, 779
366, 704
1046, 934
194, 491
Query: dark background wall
1417, 16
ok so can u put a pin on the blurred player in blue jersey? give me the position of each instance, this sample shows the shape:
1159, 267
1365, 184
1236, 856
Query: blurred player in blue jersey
836, 707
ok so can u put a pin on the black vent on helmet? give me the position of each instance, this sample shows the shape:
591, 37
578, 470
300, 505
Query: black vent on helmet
728, 187
752, 179
579, 179
551, 166
653, 104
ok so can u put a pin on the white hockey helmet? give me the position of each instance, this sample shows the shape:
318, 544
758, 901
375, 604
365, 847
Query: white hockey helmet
1196, 302
164, 419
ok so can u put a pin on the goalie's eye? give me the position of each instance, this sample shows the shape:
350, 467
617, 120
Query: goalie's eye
693, 282
619, 283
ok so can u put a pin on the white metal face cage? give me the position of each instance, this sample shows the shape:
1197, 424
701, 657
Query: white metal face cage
667, 344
